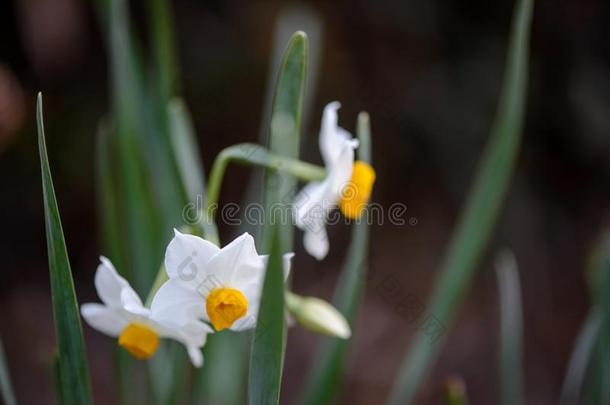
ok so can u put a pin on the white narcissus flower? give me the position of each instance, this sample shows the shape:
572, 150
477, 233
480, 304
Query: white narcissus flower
348, 184
138, 328
221, 286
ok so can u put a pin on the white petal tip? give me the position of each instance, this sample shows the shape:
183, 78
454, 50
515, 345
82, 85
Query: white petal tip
333, 105
353, 143
317, 254
344, 333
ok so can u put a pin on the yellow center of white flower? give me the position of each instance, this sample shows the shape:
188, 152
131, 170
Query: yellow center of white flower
139, 340
224, 306
357, 192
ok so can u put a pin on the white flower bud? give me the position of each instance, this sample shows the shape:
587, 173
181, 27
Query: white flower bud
318, 315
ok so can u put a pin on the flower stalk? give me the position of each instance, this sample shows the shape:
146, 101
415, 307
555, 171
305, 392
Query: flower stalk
251, 154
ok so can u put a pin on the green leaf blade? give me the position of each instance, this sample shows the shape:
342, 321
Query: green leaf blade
186, 154
479, 215
288, 104
511, 330
285, 133
581, 357
190, 169
6, 387
267, 356
72, 361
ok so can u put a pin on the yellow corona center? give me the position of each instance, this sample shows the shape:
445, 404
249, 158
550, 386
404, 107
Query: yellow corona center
357, 193
224, 306
139, 340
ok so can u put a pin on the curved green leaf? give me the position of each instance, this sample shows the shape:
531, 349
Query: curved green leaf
73, 370
479, 216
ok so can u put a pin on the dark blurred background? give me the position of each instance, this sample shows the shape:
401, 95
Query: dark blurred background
428, 72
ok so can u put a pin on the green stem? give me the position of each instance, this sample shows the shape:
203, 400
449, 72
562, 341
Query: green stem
255, 155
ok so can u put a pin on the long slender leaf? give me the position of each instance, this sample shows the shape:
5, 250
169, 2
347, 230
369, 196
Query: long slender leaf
138, 208
224, 370
169, 367
73, 368
291, 18
184, 142
480, 213
285, 134
325, 376
511, 330
108, 210
267, 355
593, 387
149, 193
586, 377
603, 356
168, 370
128, 222
165, 60
190, 167
6, 388
581, 357
112, 219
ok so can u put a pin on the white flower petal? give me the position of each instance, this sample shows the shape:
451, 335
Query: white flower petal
316, 242
247, 322
316, 199
192, 335
104, 319
177, 302
340, 174
253, 290
195, 355
286, 263
132, 303
236, 261
312, 206
332, 137
187, 256
309, 197
109, 283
